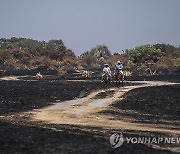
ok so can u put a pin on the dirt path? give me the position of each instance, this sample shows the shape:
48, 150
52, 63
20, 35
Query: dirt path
10, 78
86, 112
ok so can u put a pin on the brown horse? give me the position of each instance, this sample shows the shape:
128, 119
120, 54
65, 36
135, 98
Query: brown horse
119, 78
107, 80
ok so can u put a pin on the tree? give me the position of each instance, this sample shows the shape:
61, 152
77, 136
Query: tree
145, 53
57, 44
146, 56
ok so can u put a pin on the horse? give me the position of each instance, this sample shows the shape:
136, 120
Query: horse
107, 80
119, 78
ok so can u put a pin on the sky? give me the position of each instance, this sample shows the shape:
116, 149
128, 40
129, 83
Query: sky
84, 24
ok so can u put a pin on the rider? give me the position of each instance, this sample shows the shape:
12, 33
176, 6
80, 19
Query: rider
106, 70
119, 67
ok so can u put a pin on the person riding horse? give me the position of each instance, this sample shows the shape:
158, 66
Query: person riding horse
118, 73
106, 77
118, 68
106, 71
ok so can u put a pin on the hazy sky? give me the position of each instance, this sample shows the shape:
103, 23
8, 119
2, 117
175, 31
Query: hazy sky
82, 24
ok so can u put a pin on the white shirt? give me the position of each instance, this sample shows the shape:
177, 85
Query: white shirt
107, 70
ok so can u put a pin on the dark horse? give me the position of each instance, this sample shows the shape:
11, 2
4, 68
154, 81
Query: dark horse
119, 78
107, 80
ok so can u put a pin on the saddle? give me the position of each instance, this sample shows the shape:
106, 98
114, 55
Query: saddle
106, 76
118, 74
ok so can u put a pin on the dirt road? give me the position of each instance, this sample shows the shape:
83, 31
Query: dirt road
88, 111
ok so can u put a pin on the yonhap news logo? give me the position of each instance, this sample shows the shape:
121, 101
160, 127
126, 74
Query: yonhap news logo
117, 140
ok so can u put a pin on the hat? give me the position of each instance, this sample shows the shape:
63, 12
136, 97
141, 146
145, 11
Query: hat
106, 64
119, 62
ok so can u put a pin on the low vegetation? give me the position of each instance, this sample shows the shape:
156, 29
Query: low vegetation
28, 54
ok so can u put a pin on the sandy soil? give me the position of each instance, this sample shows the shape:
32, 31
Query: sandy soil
10, 78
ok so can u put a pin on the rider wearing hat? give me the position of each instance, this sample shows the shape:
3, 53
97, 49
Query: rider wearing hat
119, 67
106, 70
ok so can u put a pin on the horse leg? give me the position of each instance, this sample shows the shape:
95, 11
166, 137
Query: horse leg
117, 84
106, 84
109, 84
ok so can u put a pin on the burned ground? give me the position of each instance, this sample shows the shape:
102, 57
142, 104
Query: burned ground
158, 104
17, 96
24, 95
